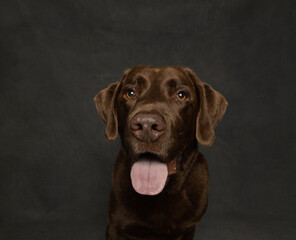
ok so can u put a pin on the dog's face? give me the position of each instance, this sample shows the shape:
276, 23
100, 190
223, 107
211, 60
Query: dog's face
159, 113
154, 106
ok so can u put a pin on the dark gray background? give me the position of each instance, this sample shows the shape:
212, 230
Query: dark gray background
55, 165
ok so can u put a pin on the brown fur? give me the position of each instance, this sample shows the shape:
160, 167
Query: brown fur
174, 213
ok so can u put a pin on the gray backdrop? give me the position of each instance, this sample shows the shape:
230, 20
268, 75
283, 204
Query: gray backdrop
55, 165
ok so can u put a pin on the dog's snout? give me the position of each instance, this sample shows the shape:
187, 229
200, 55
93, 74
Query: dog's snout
147, 127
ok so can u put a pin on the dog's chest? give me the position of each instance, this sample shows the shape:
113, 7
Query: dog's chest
168, 213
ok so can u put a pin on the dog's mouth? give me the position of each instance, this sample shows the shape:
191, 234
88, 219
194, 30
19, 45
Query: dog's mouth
149, 174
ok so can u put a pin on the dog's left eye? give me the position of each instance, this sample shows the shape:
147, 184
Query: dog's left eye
130, 93
182, 95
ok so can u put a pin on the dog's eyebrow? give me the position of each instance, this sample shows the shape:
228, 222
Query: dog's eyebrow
176, 83
137, 79
140, 80
127, 86
172, 83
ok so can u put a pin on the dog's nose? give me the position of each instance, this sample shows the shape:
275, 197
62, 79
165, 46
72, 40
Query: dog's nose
147, 127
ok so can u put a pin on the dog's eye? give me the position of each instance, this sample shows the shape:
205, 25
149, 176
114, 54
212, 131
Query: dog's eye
130, 93
182, 95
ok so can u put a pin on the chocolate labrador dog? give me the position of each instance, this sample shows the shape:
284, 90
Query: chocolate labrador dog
160, 179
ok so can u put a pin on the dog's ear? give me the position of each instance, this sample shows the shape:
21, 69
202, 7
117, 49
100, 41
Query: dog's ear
105, 102
212, 108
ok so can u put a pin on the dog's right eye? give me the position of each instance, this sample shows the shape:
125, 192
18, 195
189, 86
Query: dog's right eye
129, 93
182, 95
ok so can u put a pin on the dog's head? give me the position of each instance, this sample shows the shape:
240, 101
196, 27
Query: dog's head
159, 113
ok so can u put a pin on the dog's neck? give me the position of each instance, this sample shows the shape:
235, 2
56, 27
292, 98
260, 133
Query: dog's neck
185, 163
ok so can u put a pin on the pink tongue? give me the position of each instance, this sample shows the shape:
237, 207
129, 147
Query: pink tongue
149, 177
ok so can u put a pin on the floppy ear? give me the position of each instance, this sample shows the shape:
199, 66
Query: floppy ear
105, 102
212, 108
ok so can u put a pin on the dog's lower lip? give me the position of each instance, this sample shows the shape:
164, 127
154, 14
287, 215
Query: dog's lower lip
150, 155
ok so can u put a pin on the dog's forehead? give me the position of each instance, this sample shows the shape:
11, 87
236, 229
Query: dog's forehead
159, 74
171, 73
